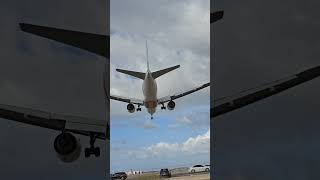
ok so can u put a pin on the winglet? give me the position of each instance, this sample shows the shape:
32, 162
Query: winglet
216, 16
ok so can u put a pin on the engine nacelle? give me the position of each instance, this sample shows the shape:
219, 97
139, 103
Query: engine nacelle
171, 105
67, 147
131, 108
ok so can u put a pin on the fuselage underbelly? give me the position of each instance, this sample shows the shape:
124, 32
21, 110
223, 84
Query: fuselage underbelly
149, 89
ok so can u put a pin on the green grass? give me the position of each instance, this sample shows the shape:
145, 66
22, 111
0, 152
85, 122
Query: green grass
146, 177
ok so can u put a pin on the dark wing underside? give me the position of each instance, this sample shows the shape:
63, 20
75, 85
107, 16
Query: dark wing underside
95, 43
244, 98
77, 125
179, 95
127, 100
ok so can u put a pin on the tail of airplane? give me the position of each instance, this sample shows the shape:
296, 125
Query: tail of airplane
160, 72
142, 75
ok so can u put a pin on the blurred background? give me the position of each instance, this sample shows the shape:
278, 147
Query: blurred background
257, 42
42, 74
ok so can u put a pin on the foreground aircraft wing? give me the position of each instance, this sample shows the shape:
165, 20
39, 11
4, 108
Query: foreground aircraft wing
77, 125
230, 103
127, 100
216, 16
95, 43
176, 96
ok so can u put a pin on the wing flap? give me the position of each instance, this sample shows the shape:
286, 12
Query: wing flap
85, 127
28, 116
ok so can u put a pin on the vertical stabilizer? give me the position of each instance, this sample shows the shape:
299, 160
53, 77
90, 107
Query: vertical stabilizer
147, 55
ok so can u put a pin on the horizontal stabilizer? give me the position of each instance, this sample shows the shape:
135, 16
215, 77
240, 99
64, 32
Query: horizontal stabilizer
164, 71
216, 16
139, 75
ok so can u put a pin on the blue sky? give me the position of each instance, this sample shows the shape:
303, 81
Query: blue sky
177, 33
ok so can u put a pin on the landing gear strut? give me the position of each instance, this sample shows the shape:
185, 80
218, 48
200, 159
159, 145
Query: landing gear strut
92, 149
163, 107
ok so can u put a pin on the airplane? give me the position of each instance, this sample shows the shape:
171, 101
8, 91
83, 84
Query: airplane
149, 89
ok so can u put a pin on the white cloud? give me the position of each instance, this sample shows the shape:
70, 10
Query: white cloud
197, 119
149, 125
199, 144
193, 145
185, 120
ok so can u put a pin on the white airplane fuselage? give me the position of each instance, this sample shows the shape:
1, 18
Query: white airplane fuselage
149, 89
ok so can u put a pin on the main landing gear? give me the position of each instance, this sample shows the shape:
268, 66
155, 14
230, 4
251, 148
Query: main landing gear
163, 107
92, 150
139, 108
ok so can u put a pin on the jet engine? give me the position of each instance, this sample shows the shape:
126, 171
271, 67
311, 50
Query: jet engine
67, 147
130, 108
171, 105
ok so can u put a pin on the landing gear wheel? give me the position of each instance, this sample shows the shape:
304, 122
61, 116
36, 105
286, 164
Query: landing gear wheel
139, 108
92, 150
163, 107
97, 152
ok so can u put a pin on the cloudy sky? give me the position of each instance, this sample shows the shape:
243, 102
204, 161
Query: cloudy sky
177, 33
257, 42
42, 74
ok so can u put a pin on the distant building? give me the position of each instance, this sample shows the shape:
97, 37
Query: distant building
132, 172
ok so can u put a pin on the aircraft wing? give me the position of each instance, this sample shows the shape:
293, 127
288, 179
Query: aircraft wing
241, 99
176, 96
77, 125
127, 100
216, 16
95, 43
